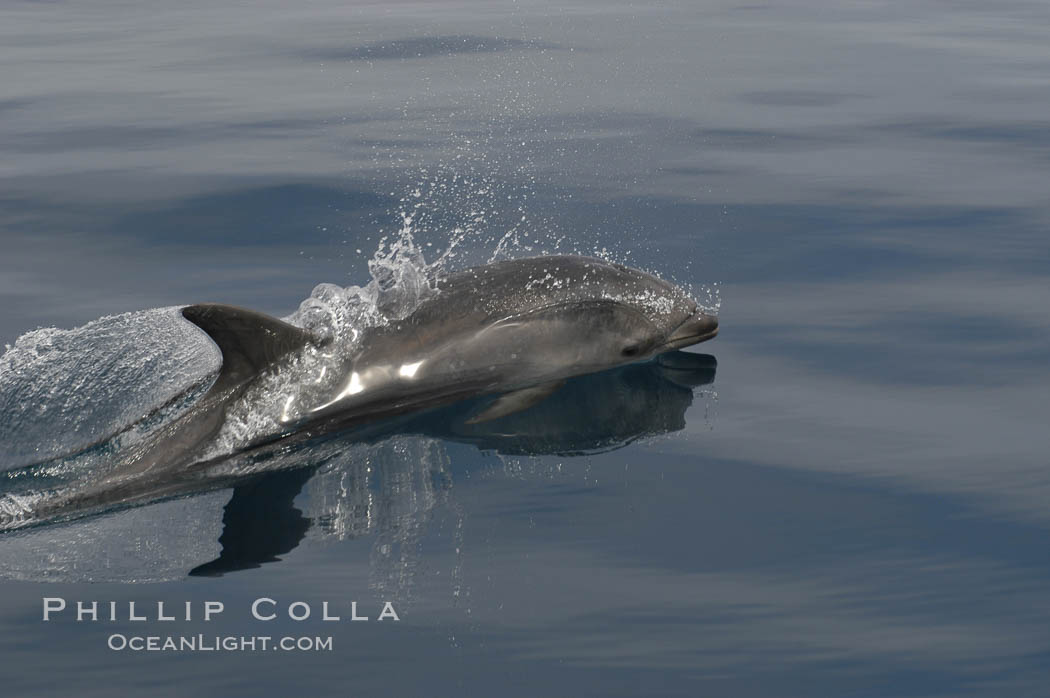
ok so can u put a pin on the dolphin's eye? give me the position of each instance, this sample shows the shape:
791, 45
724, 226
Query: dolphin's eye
630, 350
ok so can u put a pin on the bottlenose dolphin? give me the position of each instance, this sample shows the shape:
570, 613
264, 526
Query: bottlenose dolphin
516, 328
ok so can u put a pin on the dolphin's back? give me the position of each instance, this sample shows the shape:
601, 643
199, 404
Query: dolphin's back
250, 343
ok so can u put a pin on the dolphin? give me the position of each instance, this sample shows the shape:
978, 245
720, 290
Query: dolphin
516, 329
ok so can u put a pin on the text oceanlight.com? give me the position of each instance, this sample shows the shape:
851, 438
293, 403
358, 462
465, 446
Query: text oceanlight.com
217, 643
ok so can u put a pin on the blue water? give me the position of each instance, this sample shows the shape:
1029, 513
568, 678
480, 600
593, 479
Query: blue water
856, 505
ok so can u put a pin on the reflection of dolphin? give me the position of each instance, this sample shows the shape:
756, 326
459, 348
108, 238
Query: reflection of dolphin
517, 328
598, 411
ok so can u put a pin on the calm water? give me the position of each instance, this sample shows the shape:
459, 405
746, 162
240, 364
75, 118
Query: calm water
856, 506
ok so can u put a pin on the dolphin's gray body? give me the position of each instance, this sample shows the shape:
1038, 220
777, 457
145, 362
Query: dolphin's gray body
517, 328
523, 324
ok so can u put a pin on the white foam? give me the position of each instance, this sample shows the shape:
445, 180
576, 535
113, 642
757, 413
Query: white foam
63, 390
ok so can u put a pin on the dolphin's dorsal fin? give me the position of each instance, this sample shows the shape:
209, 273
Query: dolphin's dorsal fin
249, 341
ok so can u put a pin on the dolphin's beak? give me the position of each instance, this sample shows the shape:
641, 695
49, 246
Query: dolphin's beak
698, 328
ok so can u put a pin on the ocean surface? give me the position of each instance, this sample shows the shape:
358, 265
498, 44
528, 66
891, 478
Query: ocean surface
854, 502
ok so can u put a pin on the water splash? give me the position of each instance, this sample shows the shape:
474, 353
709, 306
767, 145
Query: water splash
401, 279
62, 391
